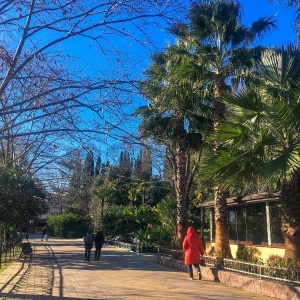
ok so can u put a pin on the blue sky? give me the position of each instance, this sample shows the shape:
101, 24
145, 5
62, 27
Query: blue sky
137, 59
140, 56
254, 9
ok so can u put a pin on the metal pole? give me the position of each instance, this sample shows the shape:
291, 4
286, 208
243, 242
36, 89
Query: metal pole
211, 219
202, 223
268, 215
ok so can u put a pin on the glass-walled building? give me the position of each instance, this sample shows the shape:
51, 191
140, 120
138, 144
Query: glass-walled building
249, 223
252, 220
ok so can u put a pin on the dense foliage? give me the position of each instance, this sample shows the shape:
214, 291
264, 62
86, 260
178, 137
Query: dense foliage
68, 225
22, 200
143, 224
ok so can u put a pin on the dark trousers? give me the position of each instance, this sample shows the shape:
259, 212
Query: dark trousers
98, 252
190, 269
87, 253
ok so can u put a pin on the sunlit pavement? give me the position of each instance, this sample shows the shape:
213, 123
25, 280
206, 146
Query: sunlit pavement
58, 271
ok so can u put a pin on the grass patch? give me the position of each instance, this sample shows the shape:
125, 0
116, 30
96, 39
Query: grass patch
9, 260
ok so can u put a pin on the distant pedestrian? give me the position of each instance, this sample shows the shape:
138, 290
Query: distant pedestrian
44, 233
88, 244
193, 248
99, 241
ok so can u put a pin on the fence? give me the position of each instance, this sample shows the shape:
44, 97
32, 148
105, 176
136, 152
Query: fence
290, 276
9, 249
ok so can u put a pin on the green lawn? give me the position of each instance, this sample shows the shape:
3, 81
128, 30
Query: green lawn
9, 261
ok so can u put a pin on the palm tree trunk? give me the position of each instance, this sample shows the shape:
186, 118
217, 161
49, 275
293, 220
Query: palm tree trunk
222, 247
222, 235
291, 218
180, 182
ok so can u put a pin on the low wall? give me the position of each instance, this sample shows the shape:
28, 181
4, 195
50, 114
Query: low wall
265, 251
249, 283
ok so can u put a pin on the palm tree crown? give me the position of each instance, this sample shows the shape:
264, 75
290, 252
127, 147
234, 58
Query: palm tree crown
261, 138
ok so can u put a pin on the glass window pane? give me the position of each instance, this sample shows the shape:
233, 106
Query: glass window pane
256, 223
276, 233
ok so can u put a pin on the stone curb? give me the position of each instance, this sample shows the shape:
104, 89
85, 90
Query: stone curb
248, 283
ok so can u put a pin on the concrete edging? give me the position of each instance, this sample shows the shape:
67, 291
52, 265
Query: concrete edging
249, 283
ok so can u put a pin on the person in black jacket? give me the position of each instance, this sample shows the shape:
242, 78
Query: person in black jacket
44, 234
99, 241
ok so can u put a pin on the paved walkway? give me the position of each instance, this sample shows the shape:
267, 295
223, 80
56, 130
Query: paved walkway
57, 271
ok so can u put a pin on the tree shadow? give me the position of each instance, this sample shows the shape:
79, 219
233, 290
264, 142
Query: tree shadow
70, 257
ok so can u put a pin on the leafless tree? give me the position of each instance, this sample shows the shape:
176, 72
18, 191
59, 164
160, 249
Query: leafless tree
53, 96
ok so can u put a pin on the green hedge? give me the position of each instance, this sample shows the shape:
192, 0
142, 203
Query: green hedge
68, 225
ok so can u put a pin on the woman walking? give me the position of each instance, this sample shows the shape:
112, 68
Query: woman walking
193, 248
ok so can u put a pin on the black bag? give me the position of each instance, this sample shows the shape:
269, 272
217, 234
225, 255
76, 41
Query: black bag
202, 262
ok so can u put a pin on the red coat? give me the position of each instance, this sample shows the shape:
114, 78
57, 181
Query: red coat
192, 247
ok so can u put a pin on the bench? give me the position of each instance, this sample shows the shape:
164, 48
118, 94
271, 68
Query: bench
26, 249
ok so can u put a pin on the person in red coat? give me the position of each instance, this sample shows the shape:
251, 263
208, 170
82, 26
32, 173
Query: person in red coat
193, 248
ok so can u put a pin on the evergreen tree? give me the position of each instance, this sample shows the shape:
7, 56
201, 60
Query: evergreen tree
125, 167
83, 173
22, 197
87, 179
138, 167
146, 165
88, 169
74, 192
98, 166
143, 165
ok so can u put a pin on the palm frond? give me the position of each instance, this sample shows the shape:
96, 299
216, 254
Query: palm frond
262, 26
247, 105
231, 133
230, 169
281, 67
179, 29
280, 168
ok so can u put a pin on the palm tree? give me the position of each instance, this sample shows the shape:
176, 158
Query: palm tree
261, 138
222, 45
173, 118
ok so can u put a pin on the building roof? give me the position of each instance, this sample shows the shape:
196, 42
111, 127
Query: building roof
244, 200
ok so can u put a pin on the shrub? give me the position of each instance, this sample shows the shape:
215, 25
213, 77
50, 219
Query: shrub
68, 225
119, 222
127, 223
154, 235
280, 262
249, 254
